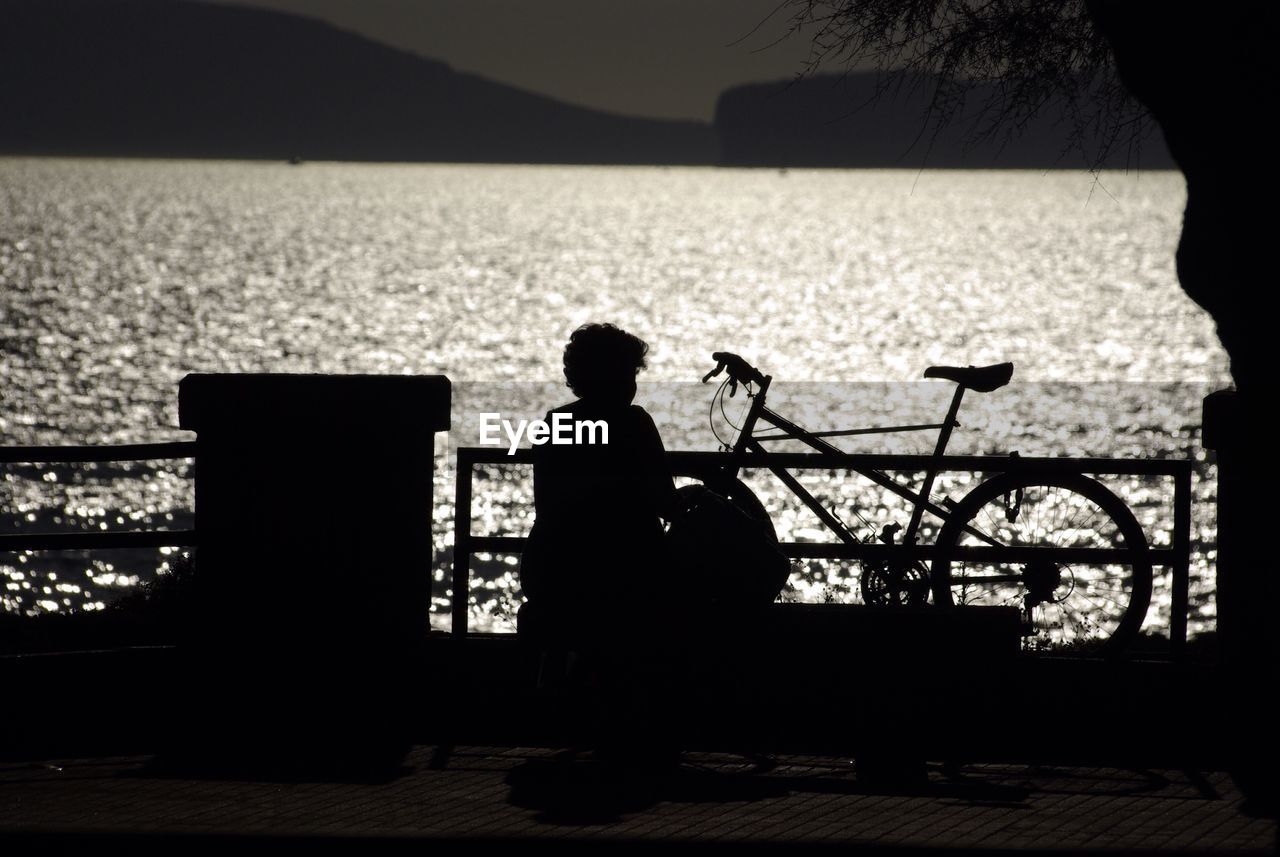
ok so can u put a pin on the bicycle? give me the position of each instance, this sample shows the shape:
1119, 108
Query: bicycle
1061, 547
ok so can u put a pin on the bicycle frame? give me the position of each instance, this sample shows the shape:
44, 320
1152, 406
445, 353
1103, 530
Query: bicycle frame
748, 441
1105, 570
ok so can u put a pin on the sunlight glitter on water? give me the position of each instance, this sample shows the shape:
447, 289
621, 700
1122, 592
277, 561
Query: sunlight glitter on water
119, 277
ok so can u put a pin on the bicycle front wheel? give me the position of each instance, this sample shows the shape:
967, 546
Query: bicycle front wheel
1077, 562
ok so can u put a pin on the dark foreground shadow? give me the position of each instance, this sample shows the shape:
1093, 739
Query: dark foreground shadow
321, 766
582, 790
568, 789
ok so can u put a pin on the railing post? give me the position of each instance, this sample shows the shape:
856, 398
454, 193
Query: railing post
1181, 568
462, 544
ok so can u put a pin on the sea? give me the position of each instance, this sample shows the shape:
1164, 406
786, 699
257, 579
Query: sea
119, 277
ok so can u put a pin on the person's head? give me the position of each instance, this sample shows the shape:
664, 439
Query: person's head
601, 363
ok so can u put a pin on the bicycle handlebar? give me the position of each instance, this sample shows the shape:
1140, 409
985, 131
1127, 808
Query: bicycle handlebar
740, 371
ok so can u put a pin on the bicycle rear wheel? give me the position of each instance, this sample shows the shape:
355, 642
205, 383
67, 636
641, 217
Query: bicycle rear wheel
1078, 565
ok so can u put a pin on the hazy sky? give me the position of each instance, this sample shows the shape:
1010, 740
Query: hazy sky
662, 58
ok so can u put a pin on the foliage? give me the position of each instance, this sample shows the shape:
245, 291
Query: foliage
994, 65
157, 613
168, 594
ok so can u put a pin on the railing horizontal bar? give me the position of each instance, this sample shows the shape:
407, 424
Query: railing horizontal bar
973, 554
116, 452
96, 541
497, 544
980, 463
873, 550
691, 463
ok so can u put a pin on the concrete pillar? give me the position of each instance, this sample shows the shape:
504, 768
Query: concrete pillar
313, 513
1239, 430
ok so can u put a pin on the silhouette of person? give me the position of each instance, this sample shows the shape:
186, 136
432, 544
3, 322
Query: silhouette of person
595, 563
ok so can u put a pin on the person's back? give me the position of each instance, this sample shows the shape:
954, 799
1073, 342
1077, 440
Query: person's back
595, 560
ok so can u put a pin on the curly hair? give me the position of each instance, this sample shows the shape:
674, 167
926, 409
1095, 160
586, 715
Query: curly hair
600, 357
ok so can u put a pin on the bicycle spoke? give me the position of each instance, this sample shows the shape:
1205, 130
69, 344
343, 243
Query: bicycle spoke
1071, 524
1086, 597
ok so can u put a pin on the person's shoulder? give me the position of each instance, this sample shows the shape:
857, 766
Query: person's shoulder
570, 409
639, 413
640, 418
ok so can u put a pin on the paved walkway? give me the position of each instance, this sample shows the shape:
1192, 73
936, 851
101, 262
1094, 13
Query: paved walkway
534, 794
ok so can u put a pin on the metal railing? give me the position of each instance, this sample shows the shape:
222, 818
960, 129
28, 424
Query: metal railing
12, 542
1176, 557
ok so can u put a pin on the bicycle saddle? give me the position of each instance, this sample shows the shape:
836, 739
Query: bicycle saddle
981, 379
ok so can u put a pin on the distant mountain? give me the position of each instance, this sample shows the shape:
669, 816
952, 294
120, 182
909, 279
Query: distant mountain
837, 121
164, 78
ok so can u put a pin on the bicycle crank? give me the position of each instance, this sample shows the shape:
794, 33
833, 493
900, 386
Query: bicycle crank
887, 584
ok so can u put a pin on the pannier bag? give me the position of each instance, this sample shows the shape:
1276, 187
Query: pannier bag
723, 554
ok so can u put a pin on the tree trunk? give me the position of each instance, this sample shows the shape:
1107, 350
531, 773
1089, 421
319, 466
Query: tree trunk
1201, 73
